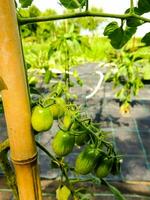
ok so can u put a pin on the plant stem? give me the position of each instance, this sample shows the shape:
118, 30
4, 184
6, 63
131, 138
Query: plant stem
23, 21
45, 150
68, 68
87, 5
85, 127
74, 181
131, 6
60, 165
4, 145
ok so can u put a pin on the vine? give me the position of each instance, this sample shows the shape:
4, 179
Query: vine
23, 21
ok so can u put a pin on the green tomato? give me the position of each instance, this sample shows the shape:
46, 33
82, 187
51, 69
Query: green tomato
41, 119
68, 122
58, 108
82, 138
104, 167
116, 166
86, 160
63, 143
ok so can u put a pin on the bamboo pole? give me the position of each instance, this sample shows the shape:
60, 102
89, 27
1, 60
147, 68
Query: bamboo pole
16, 105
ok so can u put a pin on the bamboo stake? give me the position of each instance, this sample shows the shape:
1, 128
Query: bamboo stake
17, 106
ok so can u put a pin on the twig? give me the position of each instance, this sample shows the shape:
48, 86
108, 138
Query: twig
131, 6
23, 21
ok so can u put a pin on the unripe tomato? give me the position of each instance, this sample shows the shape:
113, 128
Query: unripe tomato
116, 166
41, 119
86, 160
82, 138
68, 120
58, 108
63, 143
104, 167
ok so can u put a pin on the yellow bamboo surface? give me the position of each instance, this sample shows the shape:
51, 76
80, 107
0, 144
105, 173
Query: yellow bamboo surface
28, 182
14, 93
16, 104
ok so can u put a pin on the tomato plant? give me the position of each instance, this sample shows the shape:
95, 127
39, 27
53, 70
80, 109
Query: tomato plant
98, 156
126, 76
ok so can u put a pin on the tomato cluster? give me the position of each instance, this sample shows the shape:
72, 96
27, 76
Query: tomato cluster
94, 160
75, 130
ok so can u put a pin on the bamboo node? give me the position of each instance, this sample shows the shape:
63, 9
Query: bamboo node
26, 161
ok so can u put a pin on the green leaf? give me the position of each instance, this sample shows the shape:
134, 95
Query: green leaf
133, 22
136, 10
75, 74
25, 3
79, 81
51, 51
47, 76
144, 6
108, 76
137, 58
121, 94
73, 4
114, 190
118, 36
110, 28
115, 34
63, 193
146, 39
128, 33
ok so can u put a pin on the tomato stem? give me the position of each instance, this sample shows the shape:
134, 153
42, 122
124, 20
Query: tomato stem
46, 151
